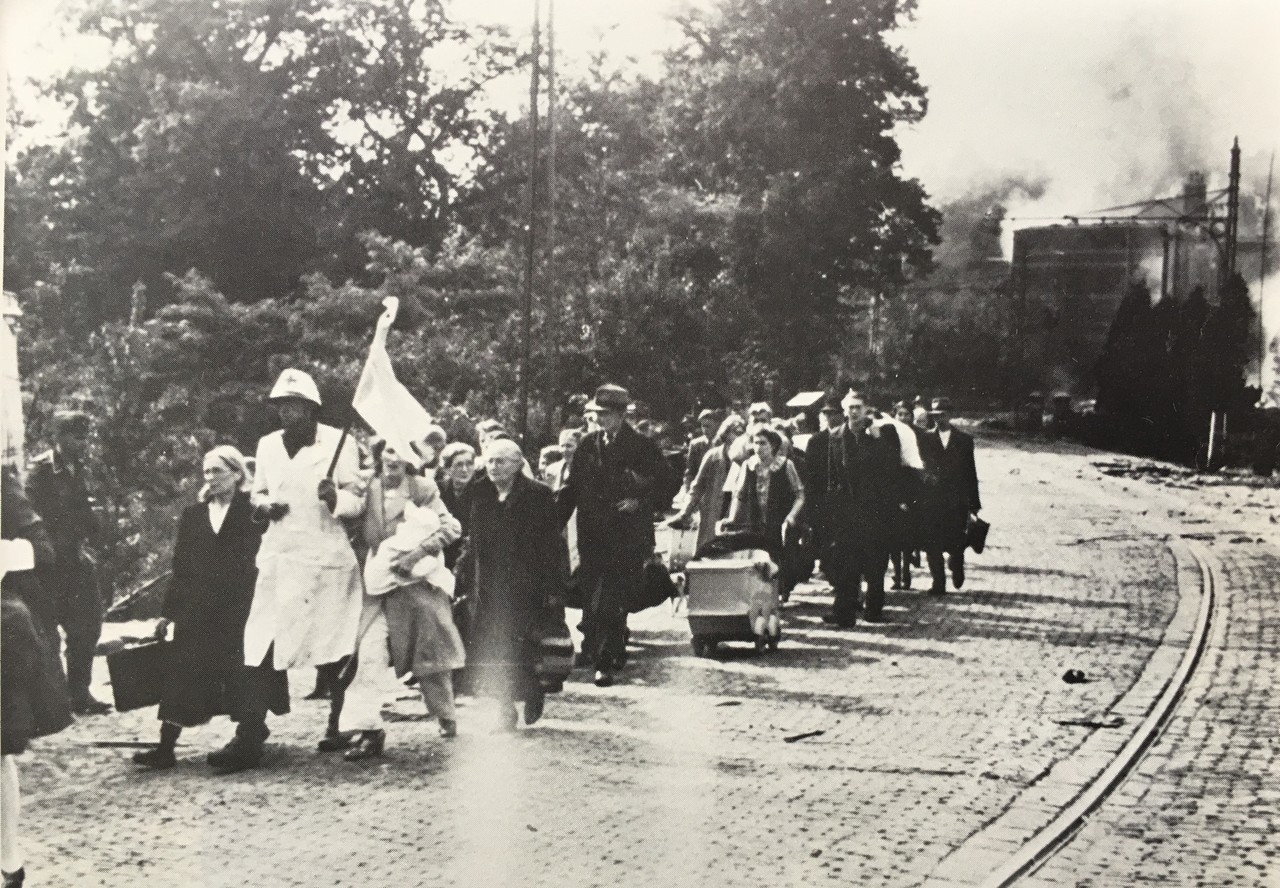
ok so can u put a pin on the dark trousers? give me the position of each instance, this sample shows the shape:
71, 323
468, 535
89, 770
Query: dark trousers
902, 568
335, 678
79, 613
937, 569
850, 565
612, 585
258, 691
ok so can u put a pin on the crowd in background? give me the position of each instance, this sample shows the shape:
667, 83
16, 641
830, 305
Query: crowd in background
451, 565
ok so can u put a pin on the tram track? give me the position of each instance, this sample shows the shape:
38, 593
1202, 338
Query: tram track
1046, 842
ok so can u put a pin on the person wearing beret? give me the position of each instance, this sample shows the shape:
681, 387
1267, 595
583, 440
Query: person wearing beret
617, 482
951, 496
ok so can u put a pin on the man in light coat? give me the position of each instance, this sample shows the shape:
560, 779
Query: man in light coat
306, 604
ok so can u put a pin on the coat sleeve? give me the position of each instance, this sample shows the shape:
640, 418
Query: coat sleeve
351, 483
426, 493
174, 607
260, 493
553, 551
975, 501
567, 496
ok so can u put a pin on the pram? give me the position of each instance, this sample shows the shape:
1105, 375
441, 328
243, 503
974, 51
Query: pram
732, 589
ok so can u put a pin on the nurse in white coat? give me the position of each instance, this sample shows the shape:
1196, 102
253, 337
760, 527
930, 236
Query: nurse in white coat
306, 604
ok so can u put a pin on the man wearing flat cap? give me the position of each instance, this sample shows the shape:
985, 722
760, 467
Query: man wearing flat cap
950, 494
59, 494
617, 481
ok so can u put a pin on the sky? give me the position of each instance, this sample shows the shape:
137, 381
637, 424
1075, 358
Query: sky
1099, 102
1104, 101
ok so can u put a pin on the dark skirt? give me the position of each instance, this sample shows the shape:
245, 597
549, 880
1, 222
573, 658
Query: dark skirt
502, 660
203, 681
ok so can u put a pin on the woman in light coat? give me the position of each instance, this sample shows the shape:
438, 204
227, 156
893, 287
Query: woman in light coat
707, 494
407, 616
306, 603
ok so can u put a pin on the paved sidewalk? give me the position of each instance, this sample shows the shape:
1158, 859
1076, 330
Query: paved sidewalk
933, 725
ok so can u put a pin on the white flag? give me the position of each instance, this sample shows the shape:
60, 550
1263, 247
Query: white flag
385, 404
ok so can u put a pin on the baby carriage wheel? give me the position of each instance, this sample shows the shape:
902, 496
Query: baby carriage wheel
701, 647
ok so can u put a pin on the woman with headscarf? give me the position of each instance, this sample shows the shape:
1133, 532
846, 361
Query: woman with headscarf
407, 618
207, 604
514, 570
707, 493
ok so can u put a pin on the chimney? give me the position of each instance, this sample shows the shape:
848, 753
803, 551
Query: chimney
1195, 204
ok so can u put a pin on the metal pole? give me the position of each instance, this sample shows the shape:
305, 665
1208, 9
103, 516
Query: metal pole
552, 287
531, 241
1262, 276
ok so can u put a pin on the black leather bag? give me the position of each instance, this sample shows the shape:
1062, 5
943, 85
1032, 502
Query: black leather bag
975, 534
555, 651
137, 674
655, 588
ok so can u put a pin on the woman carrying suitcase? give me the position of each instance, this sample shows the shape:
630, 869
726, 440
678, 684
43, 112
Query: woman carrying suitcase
207, 603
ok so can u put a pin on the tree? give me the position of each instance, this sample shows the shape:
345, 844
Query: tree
254, 141
789, 107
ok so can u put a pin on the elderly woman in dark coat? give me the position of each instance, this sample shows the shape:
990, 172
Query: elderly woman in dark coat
33, 687
515, 569
207, 603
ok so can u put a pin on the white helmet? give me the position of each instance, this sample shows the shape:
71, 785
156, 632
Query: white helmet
296, 384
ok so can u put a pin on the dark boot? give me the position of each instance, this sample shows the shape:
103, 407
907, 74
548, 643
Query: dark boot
161, 757
15, 878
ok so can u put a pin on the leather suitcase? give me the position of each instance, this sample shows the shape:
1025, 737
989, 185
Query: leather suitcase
137, 674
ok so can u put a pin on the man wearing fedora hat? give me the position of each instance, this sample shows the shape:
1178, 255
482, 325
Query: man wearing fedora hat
617, 481
950, 495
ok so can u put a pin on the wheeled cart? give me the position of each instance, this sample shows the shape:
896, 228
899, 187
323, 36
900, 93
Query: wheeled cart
733, 597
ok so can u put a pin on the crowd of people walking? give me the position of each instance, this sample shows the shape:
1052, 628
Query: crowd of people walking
451, 566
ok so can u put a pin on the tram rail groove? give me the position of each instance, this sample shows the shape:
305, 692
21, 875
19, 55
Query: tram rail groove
1058, 832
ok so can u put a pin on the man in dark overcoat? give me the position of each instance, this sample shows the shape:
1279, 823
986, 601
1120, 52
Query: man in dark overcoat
855, 472
58, 492
950, 495
617, 481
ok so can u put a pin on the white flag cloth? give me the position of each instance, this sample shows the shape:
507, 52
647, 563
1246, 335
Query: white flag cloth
385, 404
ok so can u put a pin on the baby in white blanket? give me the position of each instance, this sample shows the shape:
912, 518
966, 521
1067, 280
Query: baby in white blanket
418, 524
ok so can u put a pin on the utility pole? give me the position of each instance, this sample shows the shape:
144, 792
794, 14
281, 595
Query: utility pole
1218, 418
1262, 277
531, 240
553, 288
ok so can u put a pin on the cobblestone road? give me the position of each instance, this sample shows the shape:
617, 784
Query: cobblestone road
947, 719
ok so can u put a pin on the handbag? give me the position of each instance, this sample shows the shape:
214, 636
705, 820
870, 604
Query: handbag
555, 651
655, 587
975, 534
137, 674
